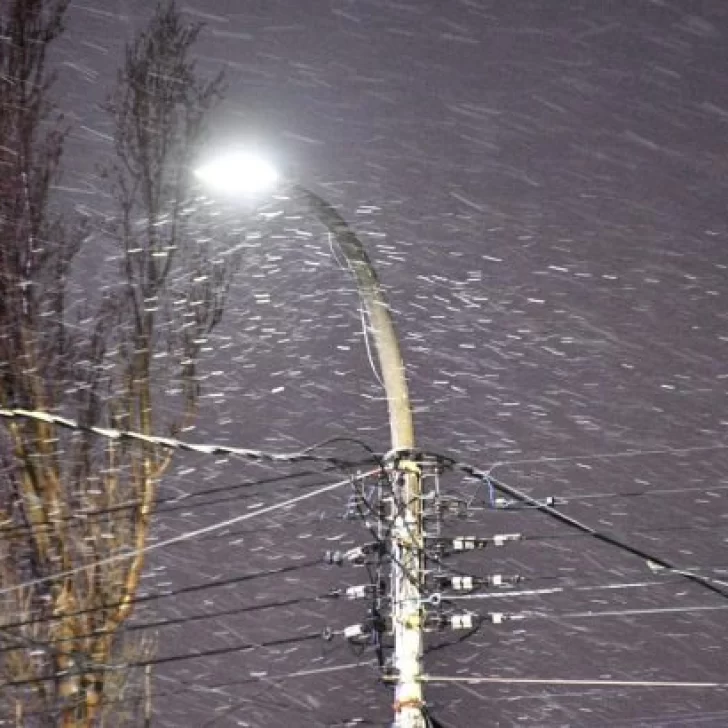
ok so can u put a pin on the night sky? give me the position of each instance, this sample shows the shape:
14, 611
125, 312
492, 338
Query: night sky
542, 186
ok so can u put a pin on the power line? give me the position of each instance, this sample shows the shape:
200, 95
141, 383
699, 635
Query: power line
640, 493
613, 455
565, 498
578, 583
284, 676
216, 652
200, 587
181, 537
500, 617
174, 621
585, 531
630, 532
476, 679
258, 677
551, 511
306, 454
719, 568
170, 443
179, 502
505, 594
674, 720
144, 599
641, 612
247, 702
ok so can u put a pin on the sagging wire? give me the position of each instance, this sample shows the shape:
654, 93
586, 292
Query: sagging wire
170, 443
476, 679
189, 687
186, 536
612, 455
395, 456
178, 502
216, 652
346, 266
192, 588
175, 621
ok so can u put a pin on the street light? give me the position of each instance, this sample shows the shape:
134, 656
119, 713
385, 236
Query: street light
246, 174
239, 173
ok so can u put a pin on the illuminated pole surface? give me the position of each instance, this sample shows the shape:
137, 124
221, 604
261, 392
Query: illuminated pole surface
407, 528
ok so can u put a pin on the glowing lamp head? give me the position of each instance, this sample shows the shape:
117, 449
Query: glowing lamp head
238, 174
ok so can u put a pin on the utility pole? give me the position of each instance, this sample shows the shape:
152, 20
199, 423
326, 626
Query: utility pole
407, 538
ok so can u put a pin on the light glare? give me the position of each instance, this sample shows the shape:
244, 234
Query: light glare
238, 173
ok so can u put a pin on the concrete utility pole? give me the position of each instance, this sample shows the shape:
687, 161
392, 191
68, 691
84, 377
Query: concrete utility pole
407, 533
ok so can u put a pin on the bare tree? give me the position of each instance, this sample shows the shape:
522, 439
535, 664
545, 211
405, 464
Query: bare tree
35, 253
71, 501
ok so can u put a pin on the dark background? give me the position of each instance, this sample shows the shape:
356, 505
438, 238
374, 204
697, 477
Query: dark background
542, 186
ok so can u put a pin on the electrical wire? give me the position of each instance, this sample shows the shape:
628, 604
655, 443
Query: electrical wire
216, 652
640, 493
566, 498
368, 346
181, 537
485, 477
258, 677
188, 589
510, 593
591, 614
640, 612
632, 532
452, 598
307, 452
476, 679
574, 586
718, 568
552, 512
613, 455
178, 502
246, 702
562, 536
338, 465
170, 443
175, 621
193, 588
285, 676
334, 464
185, 505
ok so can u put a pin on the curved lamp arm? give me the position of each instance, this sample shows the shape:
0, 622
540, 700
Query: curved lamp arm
372, 295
